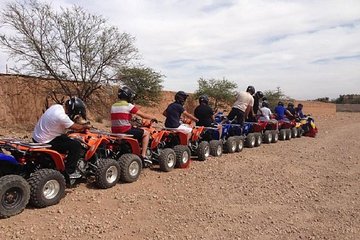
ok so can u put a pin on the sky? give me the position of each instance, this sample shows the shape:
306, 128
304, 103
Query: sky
308, 48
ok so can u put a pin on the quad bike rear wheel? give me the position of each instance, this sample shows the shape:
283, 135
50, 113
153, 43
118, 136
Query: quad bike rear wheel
130, 167
230, 145
250, 140
47, 187
275, 136
268, 136
239, 143
300, 132
258, 139
14, 195
203, 151
294, 132
216, 148
107, 173
282, 134
288, 134
183, 156
167, 160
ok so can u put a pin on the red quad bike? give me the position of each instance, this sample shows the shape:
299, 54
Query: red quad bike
198, 145
41, 166
285, 129
108, 157
269, 129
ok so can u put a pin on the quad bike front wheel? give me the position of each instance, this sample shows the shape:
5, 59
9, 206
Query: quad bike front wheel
14, 195
183, 155
282, 134
167, 160
288, 134
275, 136
267, 136
250, 140
239, 143
47, 187
107, 173
294, 132
258, 139
230, 145
131, 167
203, 151
216, 148
300, 132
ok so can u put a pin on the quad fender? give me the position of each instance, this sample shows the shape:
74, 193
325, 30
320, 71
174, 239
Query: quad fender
94, 143
182, 138
57, 157
134, 144
8, 158
156, 138
196, 133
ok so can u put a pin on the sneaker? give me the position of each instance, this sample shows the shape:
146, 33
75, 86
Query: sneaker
75, 175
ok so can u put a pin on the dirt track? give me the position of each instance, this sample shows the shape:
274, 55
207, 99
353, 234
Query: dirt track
306, 188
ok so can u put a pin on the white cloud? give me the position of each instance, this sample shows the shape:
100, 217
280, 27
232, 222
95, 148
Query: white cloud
291, 44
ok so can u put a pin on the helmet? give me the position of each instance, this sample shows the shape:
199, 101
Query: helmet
75, 106
290, 105
280, 103
126, 93
204, 99
251, 90
265, 104
259, 94
180, 97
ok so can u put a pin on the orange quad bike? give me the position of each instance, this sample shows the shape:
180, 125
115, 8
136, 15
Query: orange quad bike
165, 147
108, 157
158, 152
42, 167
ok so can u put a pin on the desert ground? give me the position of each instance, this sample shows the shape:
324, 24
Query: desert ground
307, 188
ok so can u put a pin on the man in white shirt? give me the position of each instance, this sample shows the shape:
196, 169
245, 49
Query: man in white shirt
265, 112
52, 126
242, 106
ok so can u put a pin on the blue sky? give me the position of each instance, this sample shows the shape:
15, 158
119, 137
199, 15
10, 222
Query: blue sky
308, 48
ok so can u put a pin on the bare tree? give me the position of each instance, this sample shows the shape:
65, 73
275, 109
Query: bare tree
76, 48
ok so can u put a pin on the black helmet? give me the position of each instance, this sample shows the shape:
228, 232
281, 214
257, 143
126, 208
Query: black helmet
259, 94
75, 106
265, 104
204, 99
290, 105
126, 93
251, 90
280, 103
180, 97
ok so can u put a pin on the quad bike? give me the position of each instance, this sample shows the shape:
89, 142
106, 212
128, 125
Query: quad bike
108, 157
253, 134
205, 141
308, 127
166, 147
14, 191
269, 129
158, 152
285, 129
232, 135
41, 166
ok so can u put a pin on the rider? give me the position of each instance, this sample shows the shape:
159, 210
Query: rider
52, 126
121, 113
265, 112
243, 105
291, 109
299, 112
174, 111
281, 112
205, 114
257, 97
